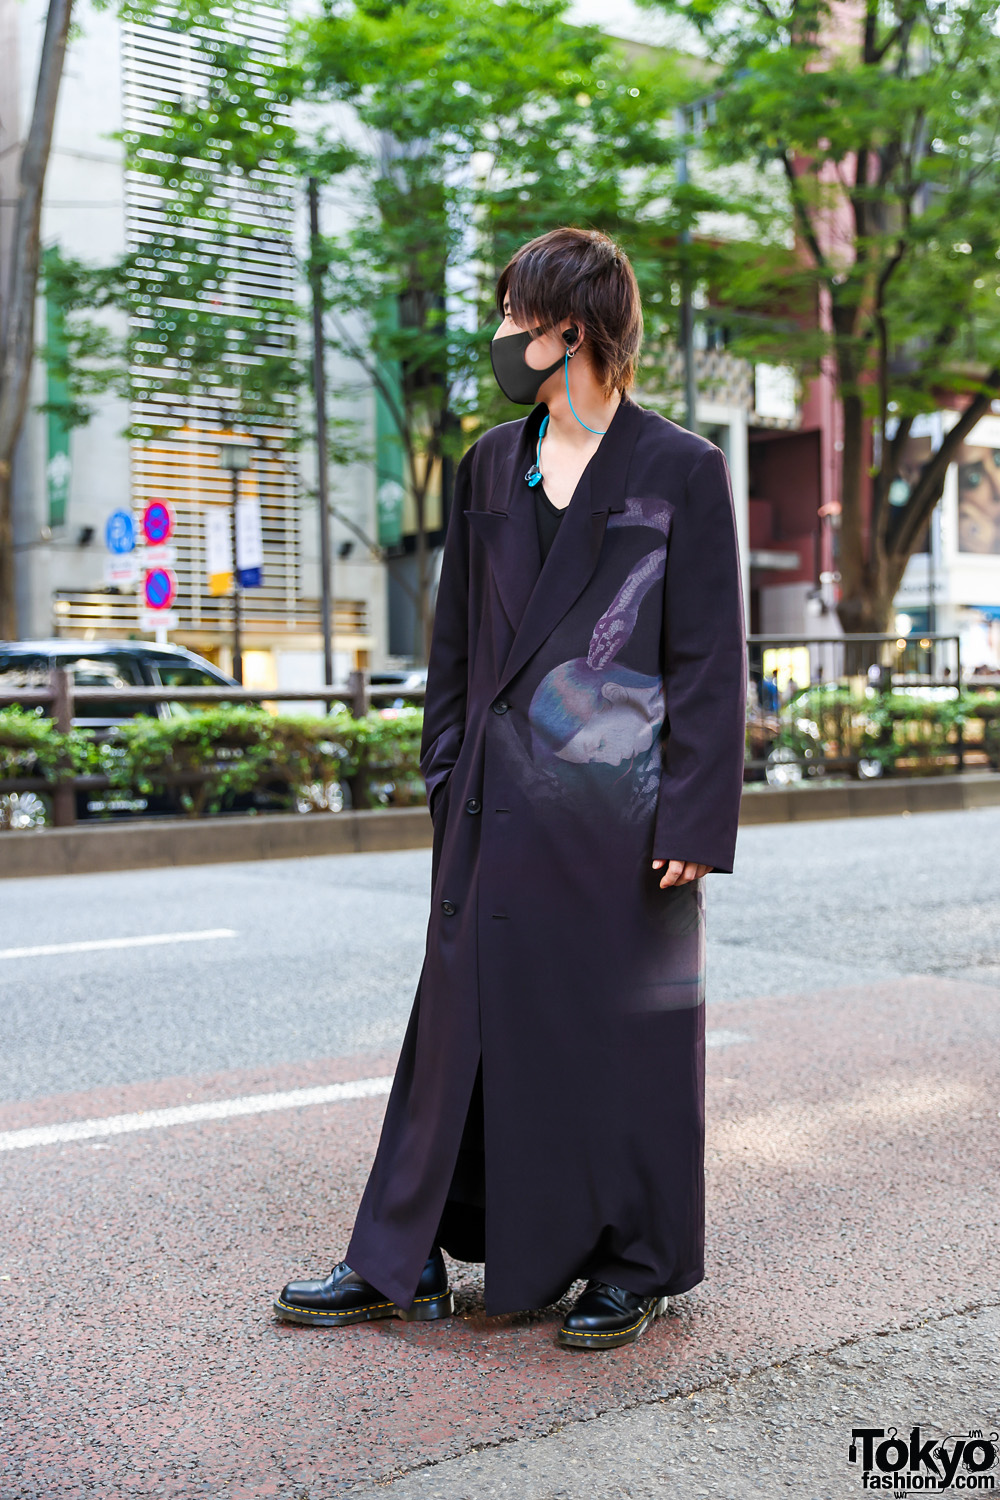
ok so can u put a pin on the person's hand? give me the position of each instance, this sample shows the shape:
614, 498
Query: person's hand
680, 871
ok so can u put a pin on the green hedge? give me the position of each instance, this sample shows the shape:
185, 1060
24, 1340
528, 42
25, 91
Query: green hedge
209, 757
892, 727
31, 745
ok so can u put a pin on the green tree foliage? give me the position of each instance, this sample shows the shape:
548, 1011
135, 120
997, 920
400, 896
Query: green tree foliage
883, 120
473, 127
452, 131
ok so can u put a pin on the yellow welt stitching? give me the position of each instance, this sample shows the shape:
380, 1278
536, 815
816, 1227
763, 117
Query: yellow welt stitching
617, 1333
316, 1312
345, 1312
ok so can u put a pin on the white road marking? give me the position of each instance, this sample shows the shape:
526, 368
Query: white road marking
92, 945
190, 1114
228, 1109
722, 1038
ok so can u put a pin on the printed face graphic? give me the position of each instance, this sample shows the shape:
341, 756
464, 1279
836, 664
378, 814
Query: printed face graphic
979, 499
587, 716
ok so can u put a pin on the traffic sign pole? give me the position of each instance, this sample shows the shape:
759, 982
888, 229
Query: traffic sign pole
160, 585
237, 592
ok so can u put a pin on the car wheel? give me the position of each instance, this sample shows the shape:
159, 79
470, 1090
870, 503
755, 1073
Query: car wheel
783, 767
320, 796
24, 810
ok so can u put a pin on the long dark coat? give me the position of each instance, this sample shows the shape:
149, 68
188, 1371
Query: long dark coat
582, 719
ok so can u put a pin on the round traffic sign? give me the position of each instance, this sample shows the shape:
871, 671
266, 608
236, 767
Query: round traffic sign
157, 522
160, 588
119, 532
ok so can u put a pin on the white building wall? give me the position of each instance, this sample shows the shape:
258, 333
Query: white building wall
963, 585
85, 213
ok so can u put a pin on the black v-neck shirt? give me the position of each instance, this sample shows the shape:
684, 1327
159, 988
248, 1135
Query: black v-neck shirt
548, 517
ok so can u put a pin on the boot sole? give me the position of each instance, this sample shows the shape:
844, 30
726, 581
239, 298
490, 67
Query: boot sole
572, 1340
424, 1310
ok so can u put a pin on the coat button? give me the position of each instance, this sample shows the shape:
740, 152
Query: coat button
449, 908
473, 805
500, 706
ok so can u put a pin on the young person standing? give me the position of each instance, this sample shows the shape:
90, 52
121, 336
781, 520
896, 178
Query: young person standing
583, 753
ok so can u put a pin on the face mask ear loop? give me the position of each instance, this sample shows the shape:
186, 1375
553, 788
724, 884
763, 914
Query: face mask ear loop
569, 398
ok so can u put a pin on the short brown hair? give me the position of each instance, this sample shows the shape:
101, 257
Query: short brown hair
579, 273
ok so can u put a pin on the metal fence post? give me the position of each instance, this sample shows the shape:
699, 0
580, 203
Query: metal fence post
64, 793
958, 679
358, 690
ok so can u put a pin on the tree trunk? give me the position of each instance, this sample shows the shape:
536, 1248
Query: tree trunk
423, 613
8, 609
17, 312
866, 614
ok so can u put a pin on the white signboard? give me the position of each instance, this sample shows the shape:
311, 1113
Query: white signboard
249, 544
121, 570
158, 557
218, 549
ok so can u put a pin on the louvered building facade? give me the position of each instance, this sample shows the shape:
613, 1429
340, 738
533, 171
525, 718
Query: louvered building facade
120, 76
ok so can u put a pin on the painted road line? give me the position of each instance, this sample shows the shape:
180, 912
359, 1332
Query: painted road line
192, 1114
722, 1038
93, 945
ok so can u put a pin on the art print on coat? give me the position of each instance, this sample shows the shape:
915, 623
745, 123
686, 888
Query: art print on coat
582, 718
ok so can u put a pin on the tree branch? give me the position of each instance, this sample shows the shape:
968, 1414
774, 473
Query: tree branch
806, 227
927, 490
18, 314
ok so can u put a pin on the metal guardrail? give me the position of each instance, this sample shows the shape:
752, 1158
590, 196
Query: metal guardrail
61, 697
828, 659
357, 694
879, 662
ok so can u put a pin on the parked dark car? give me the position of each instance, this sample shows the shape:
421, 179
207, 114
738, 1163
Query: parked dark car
109, 664
97, 665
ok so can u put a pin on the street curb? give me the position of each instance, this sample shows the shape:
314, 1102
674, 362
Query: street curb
149, 844
872, 799
143, 845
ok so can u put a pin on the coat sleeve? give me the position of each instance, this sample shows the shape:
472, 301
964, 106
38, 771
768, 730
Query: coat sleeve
705, 673
448, 664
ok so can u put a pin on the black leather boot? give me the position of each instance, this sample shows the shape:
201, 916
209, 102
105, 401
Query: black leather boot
345, 1297
602, 1317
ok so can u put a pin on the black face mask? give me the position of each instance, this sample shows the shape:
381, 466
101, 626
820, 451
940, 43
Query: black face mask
515, 377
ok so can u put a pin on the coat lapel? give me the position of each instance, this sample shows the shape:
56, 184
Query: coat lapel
507, 528
569, 567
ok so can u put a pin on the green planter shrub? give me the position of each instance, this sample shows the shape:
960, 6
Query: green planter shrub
210, 757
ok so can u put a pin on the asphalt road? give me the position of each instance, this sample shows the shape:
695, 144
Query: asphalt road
325, 952
854, 1016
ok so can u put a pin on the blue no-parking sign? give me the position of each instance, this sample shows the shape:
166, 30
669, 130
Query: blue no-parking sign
157, 522
119, 532
160, 588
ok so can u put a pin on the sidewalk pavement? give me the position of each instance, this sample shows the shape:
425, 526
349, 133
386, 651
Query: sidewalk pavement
786, 1429
851, 1191
852, 1272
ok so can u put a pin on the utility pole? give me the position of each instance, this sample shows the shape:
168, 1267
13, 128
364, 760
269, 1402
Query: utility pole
235, 457
319, 397
687, 312
237, 592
